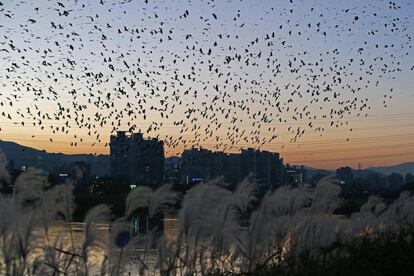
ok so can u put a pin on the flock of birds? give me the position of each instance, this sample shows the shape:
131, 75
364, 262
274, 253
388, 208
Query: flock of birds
223, 73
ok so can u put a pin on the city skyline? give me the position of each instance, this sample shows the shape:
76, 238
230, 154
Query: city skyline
341, 162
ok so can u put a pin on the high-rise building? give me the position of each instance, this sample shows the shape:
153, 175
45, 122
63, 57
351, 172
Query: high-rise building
200, 165
172, 170
196, 166
266, 167
135, 159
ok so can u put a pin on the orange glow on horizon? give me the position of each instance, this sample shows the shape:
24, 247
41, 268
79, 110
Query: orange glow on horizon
377, 141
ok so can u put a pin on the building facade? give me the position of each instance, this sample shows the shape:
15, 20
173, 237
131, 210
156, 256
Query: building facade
196, 166
201, 165
136, 160
266, 167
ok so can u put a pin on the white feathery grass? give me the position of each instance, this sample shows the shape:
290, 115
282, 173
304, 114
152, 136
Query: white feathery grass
7, 212
202, 206
116, 254
94, 218
155, 200
212, 238
4, 173
30, 187
326, 195
161, 198
244, 195
137, 198
313, 234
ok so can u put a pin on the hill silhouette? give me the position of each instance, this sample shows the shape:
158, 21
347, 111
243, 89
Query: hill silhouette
403, 169
20, 156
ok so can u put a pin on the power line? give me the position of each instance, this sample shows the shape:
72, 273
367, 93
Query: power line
370, 139
357, 158
367, 139
348, 150
298, 122
288, 153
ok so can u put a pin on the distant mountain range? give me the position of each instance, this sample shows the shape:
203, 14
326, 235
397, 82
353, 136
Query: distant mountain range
25, 156
403, 169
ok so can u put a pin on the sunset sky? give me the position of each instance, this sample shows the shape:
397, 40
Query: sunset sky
377, 134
